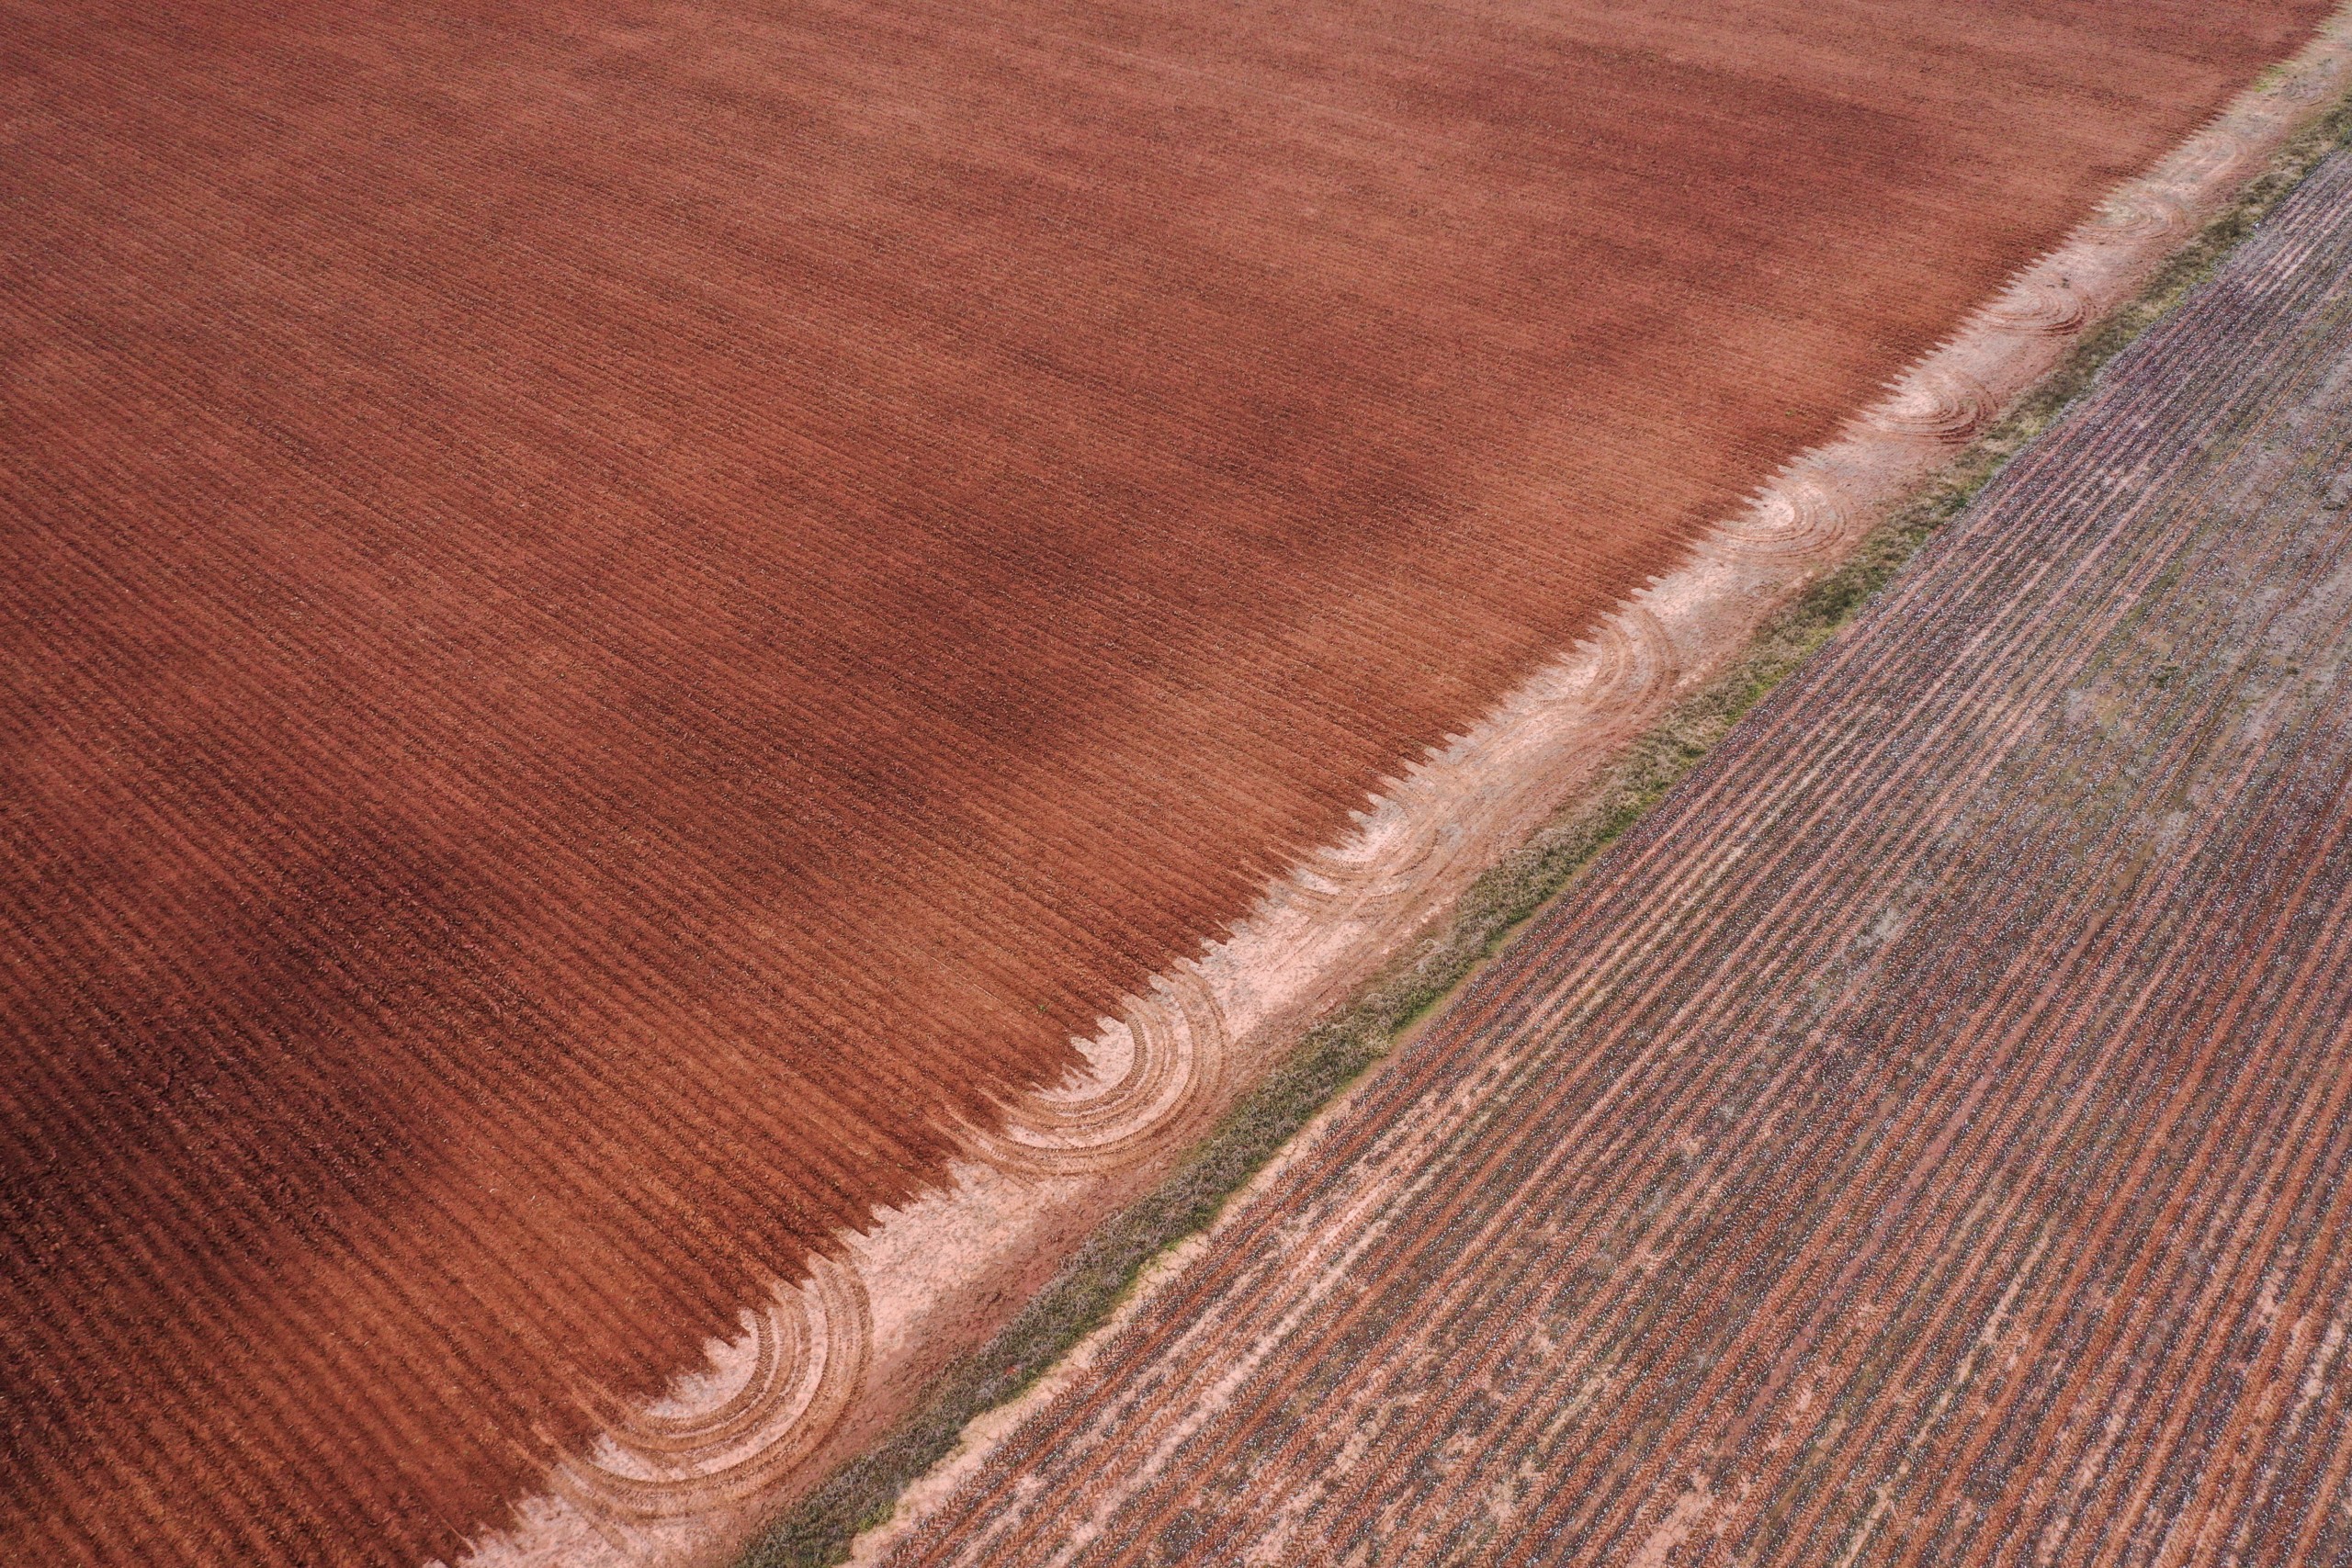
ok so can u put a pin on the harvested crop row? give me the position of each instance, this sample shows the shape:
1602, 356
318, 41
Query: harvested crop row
1925, 1139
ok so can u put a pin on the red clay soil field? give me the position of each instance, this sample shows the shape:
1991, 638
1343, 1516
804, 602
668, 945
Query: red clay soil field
613, 617
1925, 1139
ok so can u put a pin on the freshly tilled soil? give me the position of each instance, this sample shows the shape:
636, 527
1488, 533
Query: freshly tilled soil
618, 620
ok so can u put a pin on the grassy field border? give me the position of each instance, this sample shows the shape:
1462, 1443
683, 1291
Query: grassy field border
819, 1530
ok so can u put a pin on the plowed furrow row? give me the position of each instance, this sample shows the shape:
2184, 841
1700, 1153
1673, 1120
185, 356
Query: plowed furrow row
1923, 1139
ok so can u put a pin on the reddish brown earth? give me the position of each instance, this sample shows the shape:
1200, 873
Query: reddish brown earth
1925, 1139
612, 614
